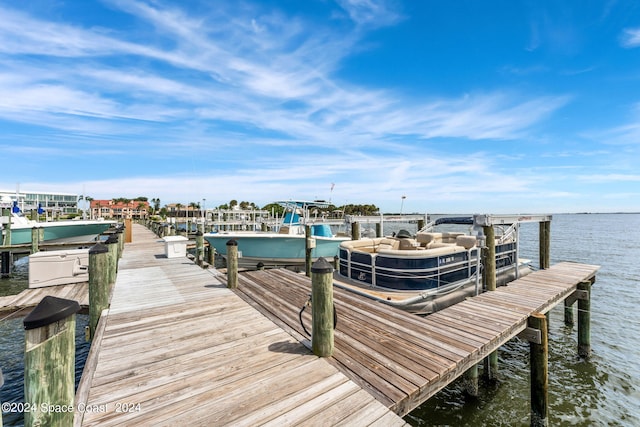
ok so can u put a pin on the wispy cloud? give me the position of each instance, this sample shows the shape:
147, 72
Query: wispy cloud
630, 38
236, 82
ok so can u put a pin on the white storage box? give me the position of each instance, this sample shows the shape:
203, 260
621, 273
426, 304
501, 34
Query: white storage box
50, 268
175, 246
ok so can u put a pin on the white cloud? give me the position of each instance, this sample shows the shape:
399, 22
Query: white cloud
630, 38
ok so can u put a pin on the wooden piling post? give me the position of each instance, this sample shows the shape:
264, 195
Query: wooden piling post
128, 231
5, 264
49, 362
232, 264
211, 255
199, 248
355, 230
489, 259
545, 244
119, 234
34, 240
471, 381
322, 314
112, 247
309, 244
489, 281
98, 284
378, 229
584, 321
568, 313
538, 357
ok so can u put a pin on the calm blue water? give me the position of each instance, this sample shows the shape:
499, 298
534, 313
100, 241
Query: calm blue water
601, 391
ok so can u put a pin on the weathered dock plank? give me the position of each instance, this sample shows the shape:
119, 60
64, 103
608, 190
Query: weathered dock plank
178, 348
403, 359
29, 298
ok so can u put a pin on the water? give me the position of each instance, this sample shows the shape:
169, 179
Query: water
601, 391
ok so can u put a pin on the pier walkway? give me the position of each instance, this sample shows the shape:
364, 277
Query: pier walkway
177, 347
403, 359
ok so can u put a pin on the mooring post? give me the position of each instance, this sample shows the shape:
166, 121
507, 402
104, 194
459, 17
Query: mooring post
538, 359
49, 362
322, 313
199, 248
471, 381
98, 284
232, 264
5, 261
489, 281
568, 313
584, 320
34, 240
128, 230
112, 269
211, 255
378, 229
545, 244
355, 230
119, 232
309, 244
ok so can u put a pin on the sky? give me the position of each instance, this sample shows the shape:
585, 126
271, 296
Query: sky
508, 106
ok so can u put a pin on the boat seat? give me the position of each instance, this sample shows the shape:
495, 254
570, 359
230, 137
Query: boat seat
387, 243
465, 241
424, 239
408, 244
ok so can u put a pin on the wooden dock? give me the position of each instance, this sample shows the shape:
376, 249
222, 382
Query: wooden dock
22, 303
177, 347
403, 359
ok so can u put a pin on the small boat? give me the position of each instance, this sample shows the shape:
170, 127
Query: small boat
68, 231
426, 272
285, 247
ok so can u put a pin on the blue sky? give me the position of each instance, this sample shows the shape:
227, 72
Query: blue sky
461, 106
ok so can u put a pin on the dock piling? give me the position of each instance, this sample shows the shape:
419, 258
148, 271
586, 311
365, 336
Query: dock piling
199, 247
489, 280
98, 284
49, 362
584, 320
538, 357
35, 239
232, 264
545, 244
322, 314
5, 261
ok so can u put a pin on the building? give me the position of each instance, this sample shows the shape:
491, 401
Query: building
54, 204
119, 209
